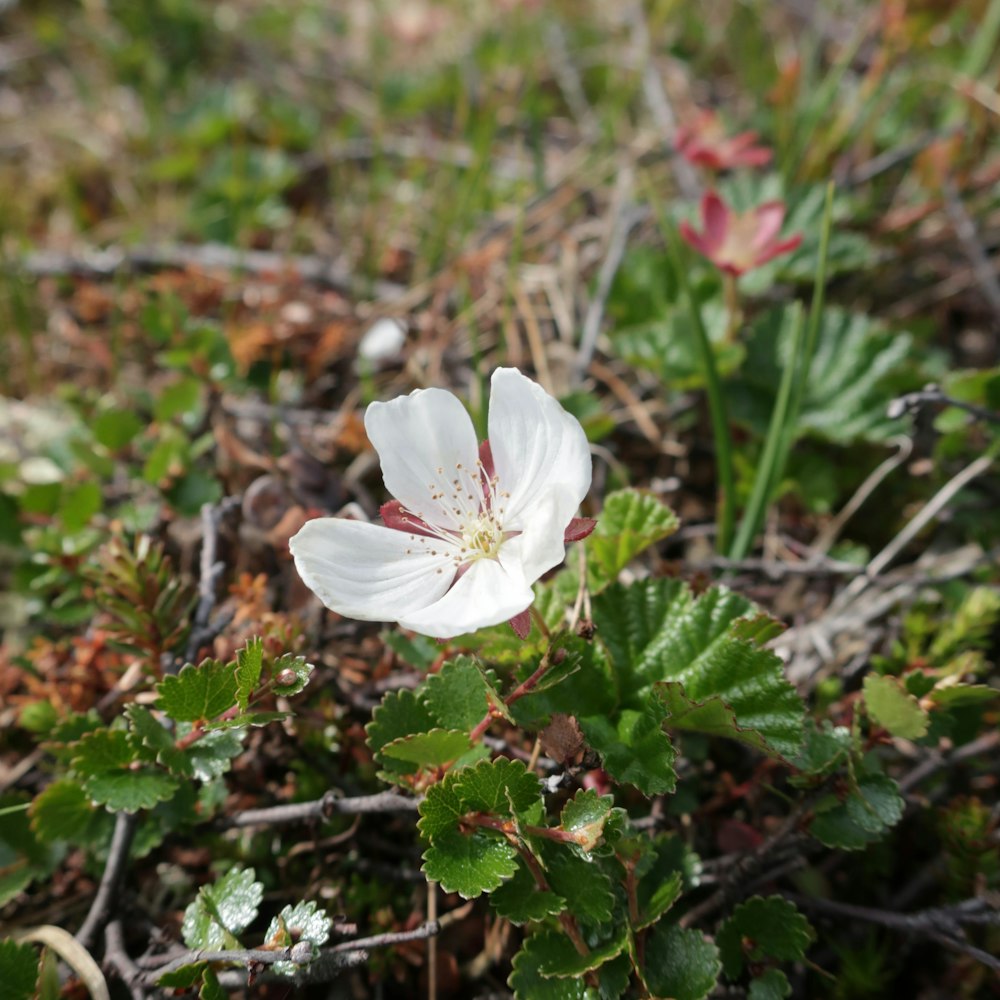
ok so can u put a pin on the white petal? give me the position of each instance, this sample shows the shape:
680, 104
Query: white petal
540, 546
425, 441
535, 444
364, 570
486, 594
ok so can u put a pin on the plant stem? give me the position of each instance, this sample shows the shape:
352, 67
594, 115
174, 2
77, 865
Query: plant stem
716, 402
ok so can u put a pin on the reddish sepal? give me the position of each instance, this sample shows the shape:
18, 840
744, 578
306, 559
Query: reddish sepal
521, 624
578, 528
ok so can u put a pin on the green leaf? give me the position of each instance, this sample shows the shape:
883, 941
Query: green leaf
634, 749
22, 857
441, 809
400, 714
116, 428
857, 365
630, 522
955, 695
772, 985
431, 749
304, 921
470, 864
198, 693
78, 504
585, 816
290, 674
207, 757
63, 812
249, 662
18, 970
656, 630
211, 988
559, 958
500, 787
183, 978
824, 750
416, 650
584, 885
889, 704
862, 817
459, 695
679, 964
179, 399
113, 775
760, 929
527, 981
521, 901
222, 911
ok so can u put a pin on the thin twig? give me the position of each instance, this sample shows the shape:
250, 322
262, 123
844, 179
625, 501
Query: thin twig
936, 761
116, 957
932, 395
114, 868
331, 804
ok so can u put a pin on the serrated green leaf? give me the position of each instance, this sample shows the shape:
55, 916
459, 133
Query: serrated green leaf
630, 522
459, 695
400, 714
528, 983
18, 970
304, 921
521, 901
500, 787
416, 650
772, 985
759, 929
431, 749
63, 812
861, 818
290, 674
656, 630
470, 864
559, 958
679, 964
113, 775
824, 749
211, 988
633, 748
856, 367
183, 978
584, 885
657, 896
893, 708
222, 911
442, 808
585, 816
208, 757
955, 695
249, 663
198, 693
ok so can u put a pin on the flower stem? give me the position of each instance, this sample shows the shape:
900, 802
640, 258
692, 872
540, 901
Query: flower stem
716, 401
783, 428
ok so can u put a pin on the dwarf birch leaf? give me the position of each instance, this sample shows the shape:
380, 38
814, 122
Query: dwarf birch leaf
198, 693
527, 981
290, 674
470, 864
211, 988
222, 911
501, 787
585, 816
114, 776
18, 970
441, 809
633, 748
658, 897
431, 749
679, 964
559, 958
759, 929
894, 709
400, 714
521, 901
249, 662
772, 985
630, 522
824, 750
304, 921
584, 885
183, 978
63, 811
656, 630
460, 695
208, 757
862, 817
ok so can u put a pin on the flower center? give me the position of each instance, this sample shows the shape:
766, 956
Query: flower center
481, 537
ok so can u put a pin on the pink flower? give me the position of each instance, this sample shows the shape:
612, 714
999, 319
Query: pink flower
705, 144
736, 242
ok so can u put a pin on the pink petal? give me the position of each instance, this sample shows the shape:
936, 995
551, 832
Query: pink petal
521, 624
693, 238
578, 528
776, 249
769, 218
758, 156
716, 219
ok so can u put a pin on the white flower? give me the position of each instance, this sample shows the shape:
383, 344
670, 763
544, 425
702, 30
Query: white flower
471, 529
